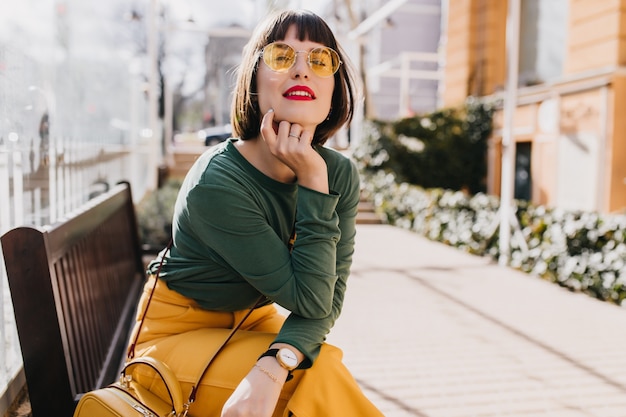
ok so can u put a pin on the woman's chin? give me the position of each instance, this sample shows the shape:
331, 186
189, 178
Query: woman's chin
306, 123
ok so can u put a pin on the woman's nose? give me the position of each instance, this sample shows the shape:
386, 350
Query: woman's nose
301, 66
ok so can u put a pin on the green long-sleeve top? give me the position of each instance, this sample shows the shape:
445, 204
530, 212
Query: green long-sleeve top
231, 230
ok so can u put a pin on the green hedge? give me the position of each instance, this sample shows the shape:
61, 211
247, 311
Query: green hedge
444, 149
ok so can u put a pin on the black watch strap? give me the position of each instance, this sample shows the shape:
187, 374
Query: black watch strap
269, 352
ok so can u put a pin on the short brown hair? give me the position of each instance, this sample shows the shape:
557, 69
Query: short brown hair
246, 115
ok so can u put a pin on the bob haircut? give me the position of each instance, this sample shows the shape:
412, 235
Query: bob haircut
246, 115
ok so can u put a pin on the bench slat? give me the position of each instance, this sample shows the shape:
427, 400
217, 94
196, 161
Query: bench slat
74, 287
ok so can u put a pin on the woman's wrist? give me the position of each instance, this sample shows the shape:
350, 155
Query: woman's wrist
268, 373
272, 369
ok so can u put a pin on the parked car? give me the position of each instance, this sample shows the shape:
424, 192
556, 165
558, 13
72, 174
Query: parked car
215, 135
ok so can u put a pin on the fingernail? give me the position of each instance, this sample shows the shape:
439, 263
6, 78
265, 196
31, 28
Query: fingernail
270, 111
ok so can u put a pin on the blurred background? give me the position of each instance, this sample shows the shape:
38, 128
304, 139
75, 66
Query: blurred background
514, 99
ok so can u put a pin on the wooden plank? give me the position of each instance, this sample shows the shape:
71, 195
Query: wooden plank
39, 331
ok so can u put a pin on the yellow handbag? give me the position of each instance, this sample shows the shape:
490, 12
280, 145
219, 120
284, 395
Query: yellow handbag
147, 386
130, 397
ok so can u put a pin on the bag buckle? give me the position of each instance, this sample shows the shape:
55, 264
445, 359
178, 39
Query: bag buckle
125, 380
185, 409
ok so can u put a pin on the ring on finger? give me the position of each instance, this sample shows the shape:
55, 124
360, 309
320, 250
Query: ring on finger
293, 136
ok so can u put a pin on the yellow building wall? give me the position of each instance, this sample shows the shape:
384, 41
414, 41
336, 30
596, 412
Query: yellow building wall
617, 147
596, 43
475, 49
581, 112
543, 170
458, 52
596, 35
490, 23
524, 121
580, 177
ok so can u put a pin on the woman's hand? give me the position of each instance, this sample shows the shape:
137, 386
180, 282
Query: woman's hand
291, 144
257, 394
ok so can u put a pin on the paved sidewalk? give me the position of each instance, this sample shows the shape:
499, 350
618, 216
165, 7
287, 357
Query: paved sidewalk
430, 331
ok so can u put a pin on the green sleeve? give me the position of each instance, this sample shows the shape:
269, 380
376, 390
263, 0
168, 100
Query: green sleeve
303, 281
307, 334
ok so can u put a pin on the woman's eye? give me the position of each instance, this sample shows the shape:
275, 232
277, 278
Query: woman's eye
319, 62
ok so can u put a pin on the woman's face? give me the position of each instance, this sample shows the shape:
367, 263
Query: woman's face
297, 95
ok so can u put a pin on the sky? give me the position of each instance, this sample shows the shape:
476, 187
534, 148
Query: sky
34, 16
30, 26
247, 12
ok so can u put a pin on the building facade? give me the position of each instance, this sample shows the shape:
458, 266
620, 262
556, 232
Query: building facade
402, 60
395, 46
570, 142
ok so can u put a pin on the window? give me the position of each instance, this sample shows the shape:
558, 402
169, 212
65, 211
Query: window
543, 29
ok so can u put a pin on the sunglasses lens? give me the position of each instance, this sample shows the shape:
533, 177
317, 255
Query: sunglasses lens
279, 56
324, 61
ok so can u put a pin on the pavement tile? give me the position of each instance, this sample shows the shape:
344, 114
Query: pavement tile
430, 331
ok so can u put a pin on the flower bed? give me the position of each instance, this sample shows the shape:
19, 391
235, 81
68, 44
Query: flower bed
578, 250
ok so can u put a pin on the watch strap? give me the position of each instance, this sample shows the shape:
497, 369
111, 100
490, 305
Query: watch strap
273, 353
269, 352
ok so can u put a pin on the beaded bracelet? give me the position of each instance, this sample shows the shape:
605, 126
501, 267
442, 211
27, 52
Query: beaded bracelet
268, 373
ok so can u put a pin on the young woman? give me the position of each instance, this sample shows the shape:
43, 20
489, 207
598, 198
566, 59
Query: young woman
268, 213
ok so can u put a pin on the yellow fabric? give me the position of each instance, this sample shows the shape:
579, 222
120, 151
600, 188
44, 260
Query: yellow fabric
183, 335
113, 402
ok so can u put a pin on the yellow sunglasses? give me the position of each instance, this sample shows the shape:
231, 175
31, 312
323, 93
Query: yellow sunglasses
280, 57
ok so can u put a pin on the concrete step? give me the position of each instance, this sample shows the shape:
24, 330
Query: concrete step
367, 213
182, 158
368, 218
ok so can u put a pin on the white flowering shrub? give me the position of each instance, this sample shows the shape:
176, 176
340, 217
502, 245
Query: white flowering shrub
577, 250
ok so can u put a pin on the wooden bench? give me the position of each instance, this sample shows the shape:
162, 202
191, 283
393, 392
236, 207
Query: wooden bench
74, 286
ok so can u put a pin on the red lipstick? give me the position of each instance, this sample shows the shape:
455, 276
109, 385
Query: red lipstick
299, 92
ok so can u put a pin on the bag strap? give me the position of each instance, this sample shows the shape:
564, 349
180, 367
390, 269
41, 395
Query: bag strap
261, 300
194, 389
131, 349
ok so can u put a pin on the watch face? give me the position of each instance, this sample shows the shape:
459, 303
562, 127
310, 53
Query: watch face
287, 358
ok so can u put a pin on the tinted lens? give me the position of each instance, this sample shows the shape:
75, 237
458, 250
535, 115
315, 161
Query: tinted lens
279, 56
324, 61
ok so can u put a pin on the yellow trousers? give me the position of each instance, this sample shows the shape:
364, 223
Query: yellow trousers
183, 335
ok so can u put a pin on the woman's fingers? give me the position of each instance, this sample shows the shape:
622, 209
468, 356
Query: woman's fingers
267, 128
278, 134
291, 144
306, 137
282, 134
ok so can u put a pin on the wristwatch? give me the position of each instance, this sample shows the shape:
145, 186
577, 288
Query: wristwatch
285, 357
